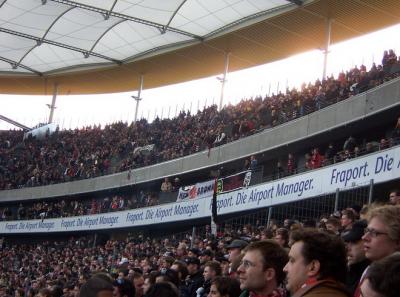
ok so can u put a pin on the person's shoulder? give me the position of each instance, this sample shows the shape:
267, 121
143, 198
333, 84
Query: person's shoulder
326, 288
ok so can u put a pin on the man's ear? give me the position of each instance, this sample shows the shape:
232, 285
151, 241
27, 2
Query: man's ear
313, 268
270, 274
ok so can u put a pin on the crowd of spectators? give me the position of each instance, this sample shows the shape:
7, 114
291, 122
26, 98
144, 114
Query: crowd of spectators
92, 151
77, 207
315, 159
333, 253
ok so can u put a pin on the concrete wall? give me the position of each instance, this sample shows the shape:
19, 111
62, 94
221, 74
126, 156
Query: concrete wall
357, 107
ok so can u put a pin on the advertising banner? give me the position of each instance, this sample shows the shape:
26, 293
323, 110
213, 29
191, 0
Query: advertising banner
381, 166
199, 190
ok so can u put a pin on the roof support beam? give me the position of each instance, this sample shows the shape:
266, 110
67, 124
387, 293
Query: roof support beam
2, 3
15, 65
172, 17
127, 17
104, 33
55, 21
107, 15
297, 2
15, 123
246, 19
59, 44
47, 31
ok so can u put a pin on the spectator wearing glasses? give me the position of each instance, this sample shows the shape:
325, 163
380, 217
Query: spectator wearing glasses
261, 269
381, 237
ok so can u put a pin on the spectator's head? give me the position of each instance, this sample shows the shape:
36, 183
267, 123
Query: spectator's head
149, 280
44, 293
194, 252
382, 236
383, 278
97, 287
314, 255
224, 262
224, 287
168, 275
394, 197
163, 289
124, 288
287, 223
282, 237
354, 243
261, 269
347, 219
181, 268
235, 247
332, 224
212, 269
167, 262
193, 265
138, 282
206, 256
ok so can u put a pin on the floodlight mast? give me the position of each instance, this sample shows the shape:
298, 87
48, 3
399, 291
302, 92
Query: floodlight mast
138, 98
52, 107
326, 48
223, 80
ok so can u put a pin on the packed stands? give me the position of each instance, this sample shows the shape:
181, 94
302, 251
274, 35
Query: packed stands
315, 158
89, 152
67, 264
62, 266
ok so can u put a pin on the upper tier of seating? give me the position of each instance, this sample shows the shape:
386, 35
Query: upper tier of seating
89, 152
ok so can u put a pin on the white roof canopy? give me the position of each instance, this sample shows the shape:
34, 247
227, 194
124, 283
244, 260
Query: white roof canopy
43, 37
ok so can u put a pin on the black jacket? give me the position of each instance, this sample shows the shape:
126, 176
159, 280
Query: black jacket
194, 282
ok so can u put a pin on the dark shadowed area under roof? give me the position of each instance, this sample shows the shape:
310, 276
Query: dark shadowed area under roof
103, 46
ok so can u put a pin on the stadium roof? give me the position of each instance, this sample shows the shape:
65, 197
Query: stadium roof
102, 46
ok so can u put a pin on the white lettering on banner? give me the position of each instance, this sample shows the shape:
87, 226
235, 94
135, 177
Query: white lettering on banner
381, 166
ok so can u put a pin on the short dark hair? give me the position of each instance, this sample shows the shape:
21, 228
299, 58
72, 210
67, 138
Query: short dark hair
273, 254
227, 286
326, 248
164, 289
384, 275
94, 285
182, 268
350, 214
333, 221
45, 292
214, 265
284, 233
125, 288
169, 275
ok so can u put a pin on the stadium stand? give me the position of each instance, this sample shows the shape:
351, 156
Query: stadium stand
86, 153
61, 264
295, 193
